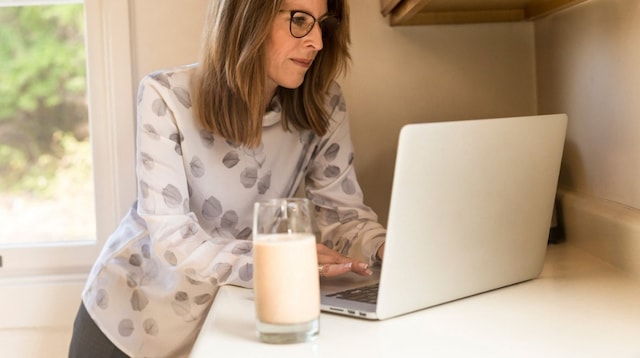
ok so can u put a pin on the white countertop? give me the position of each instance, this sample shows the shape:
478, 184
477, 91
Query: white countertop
580, 306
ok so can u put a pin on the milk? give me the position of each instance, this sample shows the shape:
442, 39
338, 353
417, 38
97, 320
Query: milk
286, 282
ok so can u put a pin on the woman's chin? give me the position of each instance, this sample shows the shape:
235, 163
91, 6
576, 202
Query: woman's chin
292, 84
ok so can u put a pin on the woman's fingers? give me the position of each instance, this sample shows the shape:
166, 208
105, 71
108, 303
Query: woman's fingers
331, 270
331, 263
361, 268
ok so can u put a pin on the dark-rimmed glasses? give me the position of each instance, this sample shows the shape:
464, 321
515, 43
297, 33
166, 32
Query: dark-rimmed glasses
302, 22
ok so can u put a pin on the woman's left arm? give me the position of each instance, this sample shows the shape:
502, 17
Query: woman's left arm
345, 223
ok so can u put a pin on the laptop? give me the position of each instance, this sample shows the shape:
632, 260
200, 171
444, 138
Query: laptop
470, 211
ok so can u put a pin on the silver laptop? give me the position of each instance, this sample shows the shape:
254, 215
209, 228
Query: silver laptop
470, 211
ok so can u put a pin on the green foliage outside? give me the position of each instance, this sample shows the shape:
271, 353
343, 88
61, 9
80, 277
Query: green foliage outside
43, 110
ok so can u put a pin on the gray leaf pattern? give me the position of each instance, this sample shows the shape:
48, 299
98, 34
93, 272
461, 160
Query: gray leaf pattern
162, 78
202, 299
207, 138
251, 174
223, 271
135, 260
229, 220
171, 258
264, 183
243, 248
212, 208
337, 101
331, 171
257, 154
331, 216
348, 186
172, 196
188, 231
244, 234
183, 96
332, 152
159, 107
231, 159
181, 296
178, 138
328, 243
150, 327
139, 300
249, 177
347, 246
102, 298
194, 282
125, 328
147, 161
246, 272
197, 167
348, 215
151, 131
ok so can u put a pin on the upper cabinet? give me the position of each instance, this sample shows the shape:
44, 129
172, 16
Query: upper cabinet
428, 12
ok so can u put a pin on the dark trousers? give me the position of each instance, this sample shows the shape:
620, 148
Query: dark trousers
88, 341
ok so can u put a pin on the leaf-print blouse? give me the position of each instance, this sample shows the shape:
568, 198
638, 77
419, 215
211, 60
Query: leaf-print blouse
190, 229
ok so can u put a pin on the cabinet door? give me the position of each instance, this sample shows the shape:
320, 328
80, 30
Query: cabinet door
387, 5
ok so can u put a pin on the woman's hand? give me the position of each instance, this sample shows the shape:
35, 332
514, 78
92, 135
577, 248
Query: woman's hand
331, 263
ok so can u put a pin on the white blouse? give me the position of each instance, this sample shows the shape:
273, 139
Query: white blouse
190, 229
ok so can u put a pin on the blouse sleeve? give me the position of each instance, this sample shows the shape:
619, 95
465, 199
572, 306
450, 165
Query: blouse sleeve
345, 223
163, 194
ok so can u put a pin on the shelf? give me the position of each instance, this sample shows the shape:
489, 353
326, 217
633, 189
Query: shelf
431, 12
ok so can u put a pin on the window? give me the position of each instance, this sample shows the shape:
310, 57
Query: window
45, 153
66, 138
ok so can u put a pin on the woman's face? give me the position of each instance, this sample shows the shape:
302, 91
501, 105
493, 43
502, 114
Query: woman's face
289, 58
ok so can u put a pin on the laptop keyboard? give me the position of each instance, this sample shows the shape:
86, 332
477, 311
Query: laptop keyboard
366, 294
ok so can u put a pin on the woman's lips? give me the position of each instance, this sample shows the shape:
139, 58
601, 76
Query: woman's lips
302, 62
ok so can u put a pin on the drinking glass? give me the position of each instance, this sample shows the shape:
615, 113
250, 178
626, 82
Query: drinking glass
286, 282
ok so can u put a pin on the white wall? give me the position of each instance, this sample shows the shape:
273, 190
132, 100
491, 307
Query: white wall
166, 33
587, 61
413, 74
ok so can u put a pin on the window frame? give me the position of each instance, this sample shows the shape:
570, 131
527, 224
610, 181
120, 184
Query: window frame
111, 108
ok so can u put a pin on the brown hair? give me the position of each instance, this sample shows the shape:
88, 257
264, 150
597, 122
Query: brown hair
228, 89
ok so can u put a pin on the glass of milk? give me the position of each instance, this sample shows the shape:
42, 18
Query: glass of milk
285, 278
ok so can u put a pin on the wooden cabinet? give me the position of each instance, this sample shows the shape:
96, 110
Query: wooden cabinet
428, 12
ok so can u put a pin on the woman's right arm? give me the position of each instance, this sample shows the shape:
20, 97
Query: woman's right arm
177, 238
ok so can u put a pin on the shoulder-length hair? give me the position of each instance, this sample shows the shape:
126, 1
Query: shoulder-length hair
228, 88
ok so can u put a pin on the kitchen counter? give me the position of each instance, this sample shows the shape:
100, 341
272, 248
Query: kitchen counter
580, 306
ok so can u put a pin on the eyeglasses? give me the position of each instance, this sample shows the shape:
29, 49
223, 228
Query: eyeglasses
301, 23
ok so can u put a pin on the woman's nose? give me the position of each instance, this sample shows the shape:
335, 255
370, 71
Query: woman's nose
314, 38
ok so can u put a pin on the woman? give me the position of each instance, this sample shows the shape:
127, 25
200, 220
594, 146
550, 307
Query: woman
259, 115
